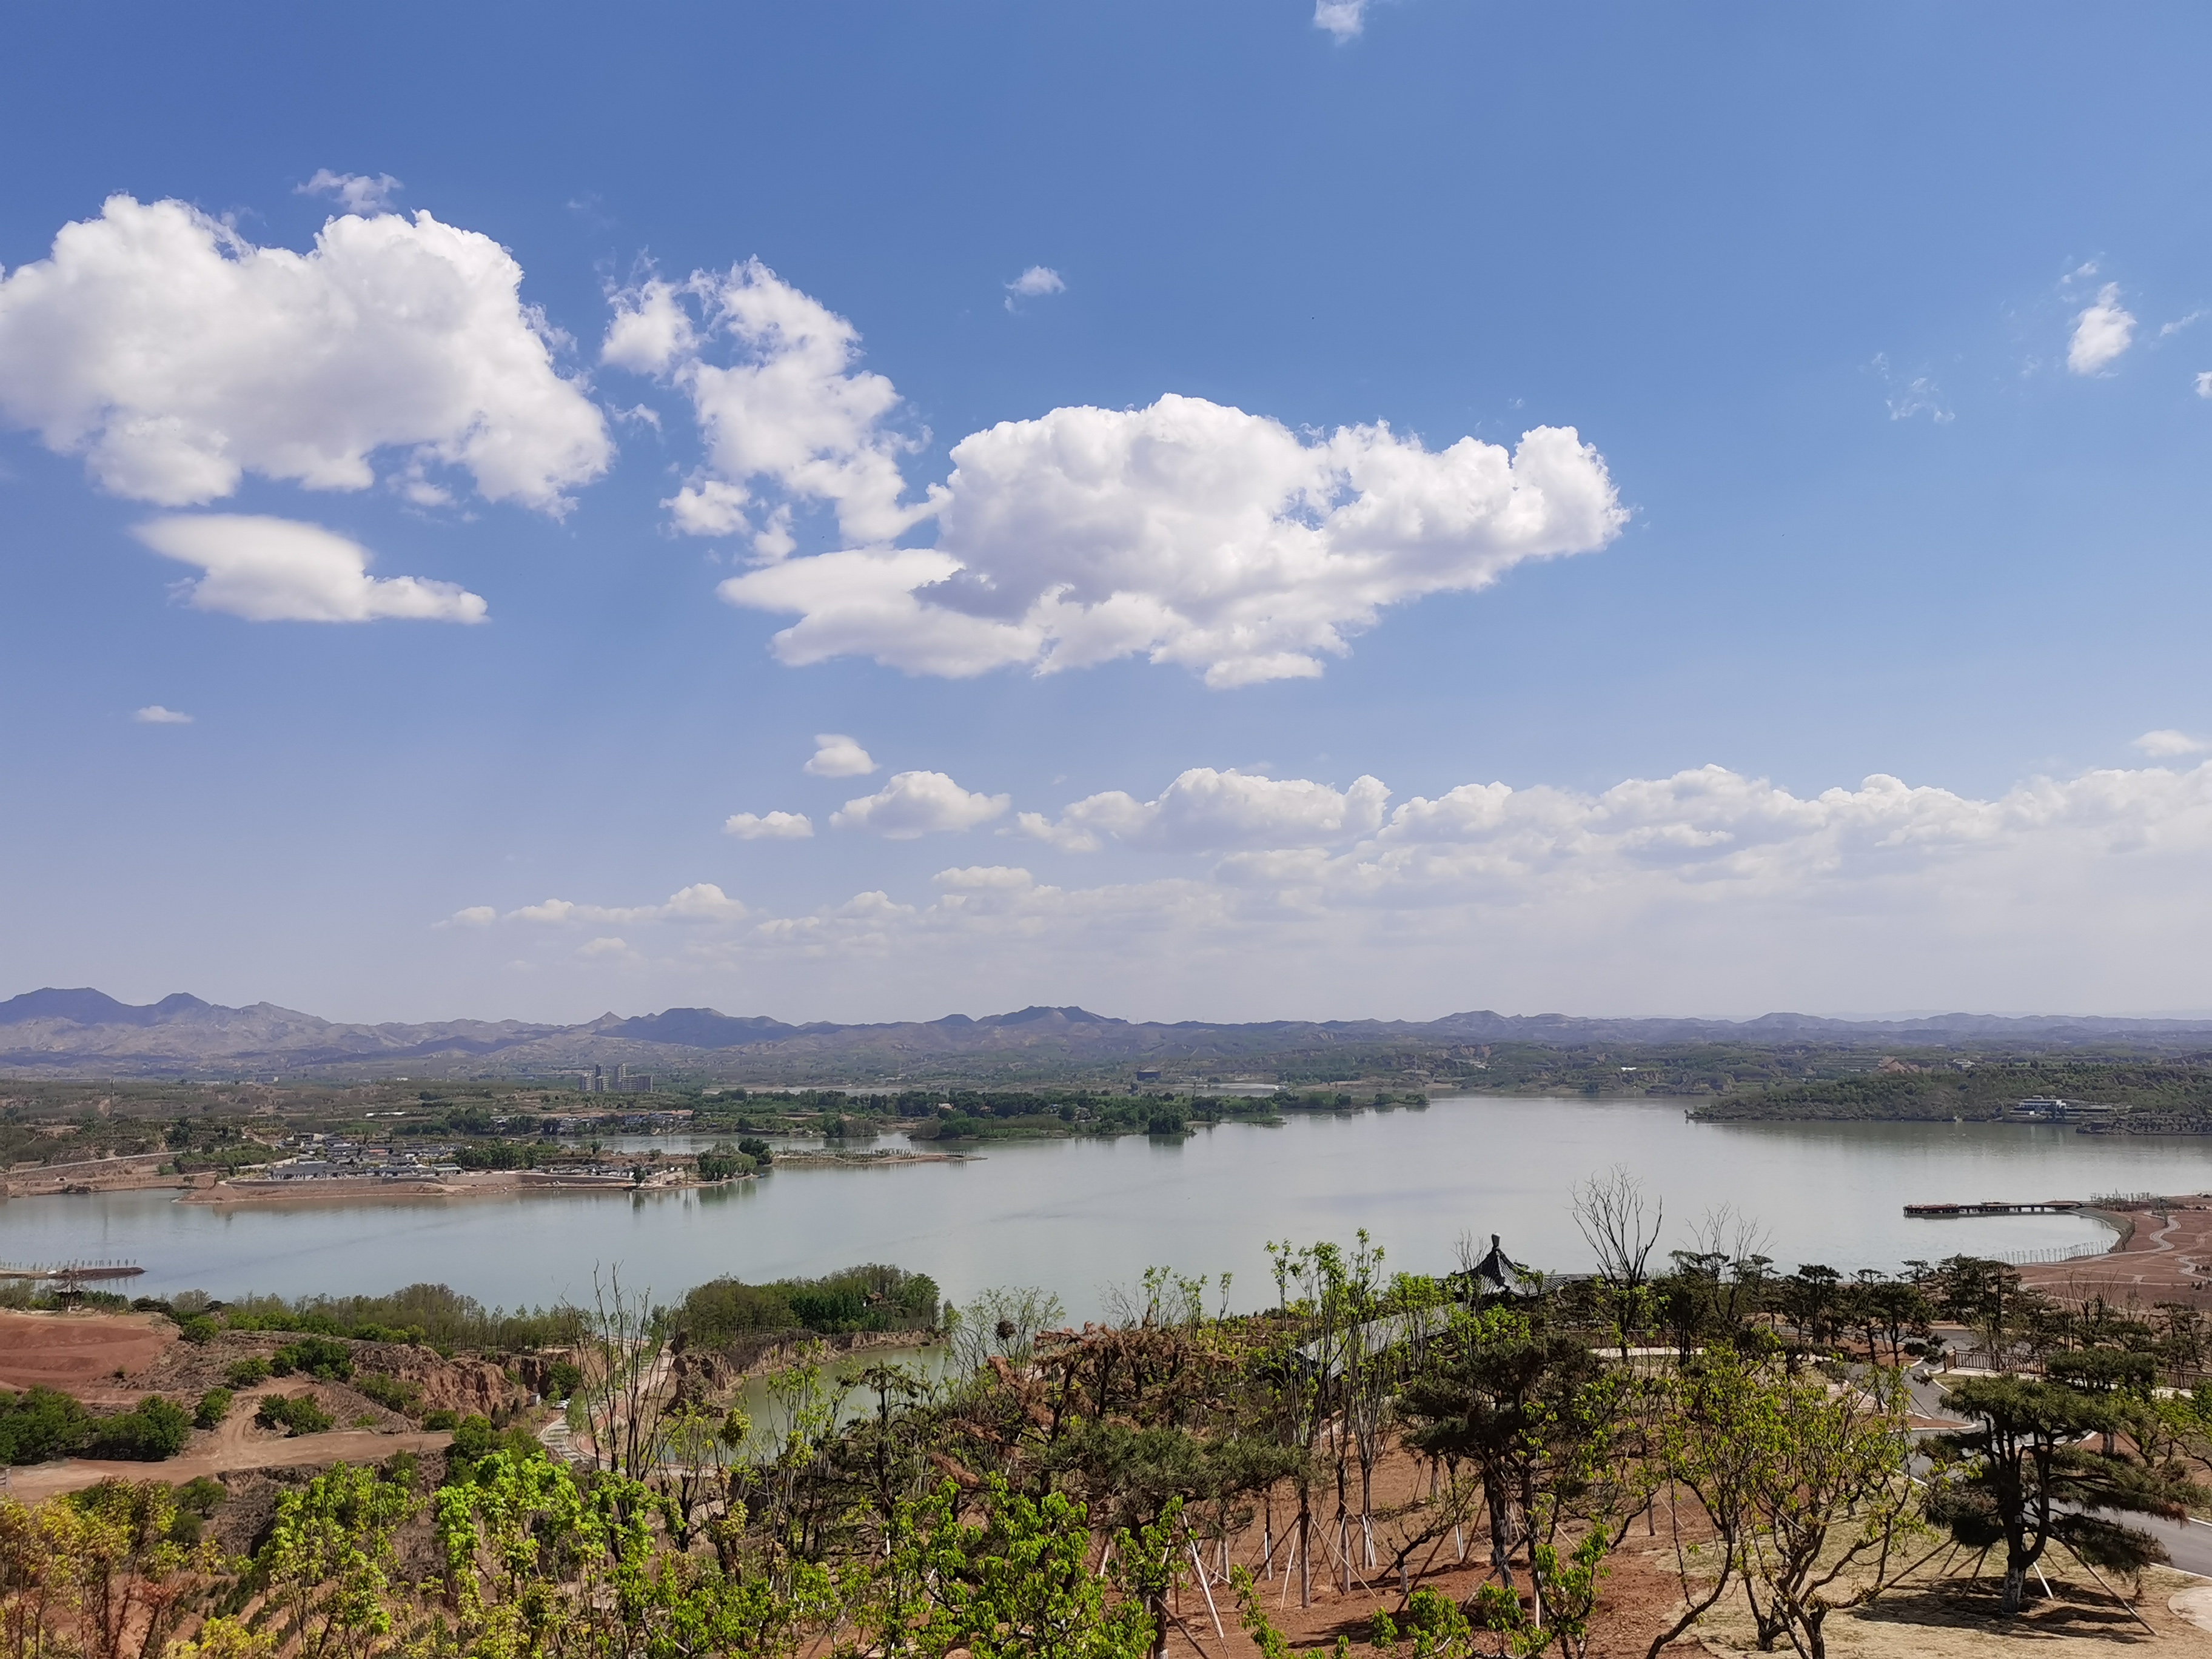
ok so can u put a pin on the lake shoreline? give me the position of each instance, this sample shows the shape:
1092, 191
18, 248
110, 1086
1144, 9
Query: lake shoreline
1081, 1217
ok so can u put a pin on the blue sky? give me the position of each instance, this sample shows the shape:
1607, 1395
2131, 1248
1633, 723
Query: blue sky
1882, 329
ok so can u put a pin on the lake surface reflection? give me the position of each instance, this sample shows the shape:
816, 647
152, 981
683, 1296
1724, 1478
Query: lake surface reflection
1079, 1216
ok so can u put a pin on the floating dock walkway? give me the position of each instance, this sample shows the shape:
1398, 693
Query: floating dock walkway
2047, 1206
72, 1272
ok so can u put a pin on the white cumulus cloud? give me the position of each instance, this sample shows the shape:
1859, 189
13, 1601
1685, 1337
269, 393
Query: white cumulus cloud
177, 357
1189, 533
2165, 743
1708, 890
790, 409
1034, 283
836, 755
154, 714
768, 826
356, 192
916, 803
1344, 18
1206, 809
269, 570
2204, 384
2102, 331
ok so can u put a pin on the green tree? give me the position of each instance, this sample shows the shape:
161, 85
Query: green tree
2022, 1479
328, 1561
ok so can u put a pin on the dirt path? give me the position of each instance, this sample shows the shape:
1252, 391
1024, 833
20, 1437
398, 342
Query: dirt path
239, 1442
342, 1446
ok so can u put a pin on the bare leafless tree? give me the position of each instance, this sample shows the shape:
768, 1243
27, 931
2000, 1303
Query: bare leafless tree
623, 1356
1620, 1222
1004, 1323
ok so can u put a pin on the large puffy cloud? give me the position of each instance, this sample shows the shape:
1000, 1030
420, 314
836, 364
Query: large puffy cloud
177, 357
1189, 533
791, 409
916, 803
1705, 891
1206, 809
280, 570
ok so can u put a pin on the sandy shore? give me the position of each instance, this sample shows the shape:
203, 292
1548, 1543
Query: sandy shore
369, 1189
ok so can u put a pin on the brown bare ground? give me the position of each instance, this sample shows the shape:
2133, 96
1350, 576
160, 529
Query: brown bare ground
2167, 1258
1942, 1613
79, 1353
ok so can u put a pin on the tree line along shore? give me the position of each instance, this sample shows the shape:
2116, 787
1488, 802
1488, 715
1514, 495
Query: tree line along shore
62, 1136
1686, 1444
263, 1141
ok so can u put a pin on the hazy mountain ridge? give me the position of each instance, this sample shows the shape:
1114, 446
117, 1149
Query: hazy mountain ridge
86, 1031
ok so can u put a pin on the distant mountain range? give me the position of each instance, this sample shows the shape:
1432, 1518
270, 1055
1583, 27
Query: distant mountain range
86, 1033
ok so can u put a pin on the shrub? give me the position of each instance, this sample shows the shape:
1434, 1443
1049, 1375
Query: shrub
294, 1413
213, 1407
314, 1355
441, 1418
40, 1424
153, 1430
245, 1373
202, 1495
199, 1330
476, 1439
392, 1392
562, 1379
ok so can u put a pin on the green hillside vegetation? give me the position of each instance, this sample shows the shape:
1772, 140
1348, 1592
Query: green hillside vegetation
2158, 1096
872, 1297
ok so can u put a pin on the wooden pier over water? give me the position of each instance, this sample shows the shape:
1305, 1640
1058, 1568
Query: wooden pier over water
2045, 1206
72, 1273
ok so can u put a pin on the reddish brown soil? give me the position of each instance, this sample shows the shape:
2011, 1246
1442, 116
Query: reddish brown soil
2167, 1258
1639, 1597
80, 1352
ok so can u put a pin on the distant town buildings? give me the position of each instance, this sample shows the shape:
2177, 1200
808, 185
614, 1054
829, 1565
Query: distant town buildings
2049, 1108
623, 1082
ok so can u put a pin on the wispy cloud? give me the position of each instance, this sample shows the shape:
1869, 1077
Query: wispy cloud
768, 826
154, 714
1918, 395
2163, 745
356, 192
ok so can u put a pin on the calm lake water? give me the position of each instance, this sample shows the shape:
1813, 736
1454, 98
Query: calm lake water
1080, 1216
